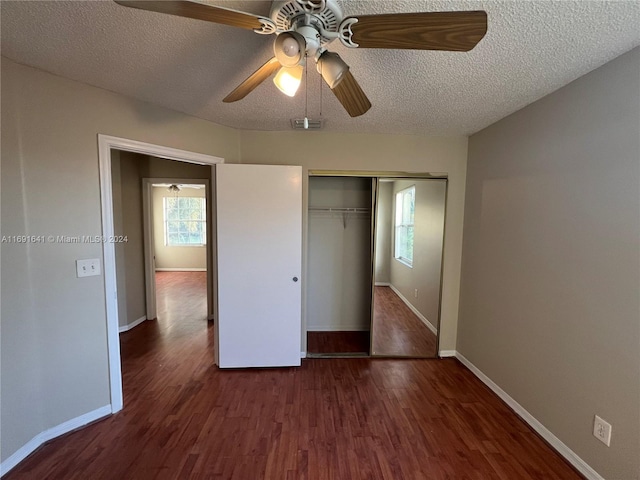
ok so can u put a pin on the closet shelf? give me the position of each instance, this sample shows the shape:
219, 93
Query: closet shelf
344, 211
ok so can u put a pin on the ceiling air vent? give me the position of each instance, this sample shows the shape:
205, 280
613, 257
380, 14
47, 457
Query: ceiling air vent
298, 124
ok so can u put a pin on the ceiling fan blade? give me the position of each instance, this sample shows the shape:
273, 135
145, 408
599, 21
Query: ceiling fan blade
256, 78
199, 11
351, 96
450, 31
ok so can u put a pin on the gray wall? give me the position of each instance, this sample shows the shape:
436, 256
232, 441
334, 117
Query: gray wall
21, 359
192, 257
424, 274
384, 223
118, 229
132, 166
54, 346
549, 306
162, 168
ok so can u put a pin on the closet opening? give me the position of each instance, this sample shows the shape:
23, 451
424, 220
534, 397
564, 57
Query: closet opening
339, 266
375, 252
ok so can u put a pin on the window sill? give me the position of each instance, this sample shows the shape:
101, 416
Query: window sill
404, 262
187, 246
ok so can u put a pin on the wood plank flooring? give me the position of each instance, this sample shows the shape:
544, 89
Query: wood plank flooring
338, 342
337, 419
397, 331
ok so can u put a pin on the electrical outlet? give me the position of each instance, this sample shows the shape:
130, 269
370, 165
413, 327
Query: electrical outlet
415, 293
602, 430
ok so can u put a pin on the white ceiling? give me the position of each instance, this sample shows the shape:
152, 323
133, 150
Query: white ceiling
531, 49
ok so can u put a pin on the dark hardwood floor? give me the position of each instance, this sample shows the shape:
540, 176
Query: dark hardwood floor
397, 331
338, 342
336, 419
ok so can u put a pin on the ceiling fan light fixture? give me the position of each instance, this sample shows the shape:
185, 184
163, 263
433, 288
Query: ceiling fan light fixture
332, 68
288, 79
290, 48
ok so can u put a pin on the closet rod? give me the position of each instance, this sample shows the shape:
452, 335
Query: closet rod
340, 209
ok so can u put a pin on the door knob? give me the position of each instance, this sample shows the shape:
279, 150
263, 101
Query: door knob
295, 279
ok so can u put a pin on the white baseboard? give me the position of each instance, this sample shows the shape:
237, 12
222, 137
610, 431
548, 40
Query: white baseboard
27, 449
337, 328
447, 353
544, 432
135, 323
181, 269
303, 354
422, 318
383, 284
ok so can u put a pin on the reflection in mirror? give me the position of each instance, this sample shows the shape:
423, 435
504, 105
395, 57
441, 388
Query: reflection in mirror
408, 260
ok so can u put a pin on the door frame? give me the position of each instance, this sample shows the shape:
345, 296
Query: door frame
106, 143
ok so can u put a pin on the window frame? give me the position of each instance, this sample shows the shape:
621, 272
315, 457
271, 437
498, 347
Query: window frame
166, 221
403, 221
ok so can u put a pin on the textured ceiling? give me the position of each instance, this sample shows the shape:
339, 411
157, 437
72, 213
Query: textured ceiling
531, 49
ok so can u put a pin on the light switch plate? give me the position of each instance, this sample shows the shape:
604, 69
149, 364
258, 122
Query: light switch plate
88, 267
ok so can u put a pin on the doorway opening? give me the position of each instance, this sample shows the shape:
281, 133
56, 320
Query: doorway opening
177, 228
110, 148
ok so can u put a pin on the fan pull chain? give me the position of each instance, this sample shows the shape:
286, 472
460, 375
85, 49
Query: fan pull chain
321, 82
306, 93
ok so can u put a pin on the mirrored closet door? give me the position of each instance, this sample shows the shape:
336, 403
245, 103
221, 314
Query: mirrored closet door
409, 236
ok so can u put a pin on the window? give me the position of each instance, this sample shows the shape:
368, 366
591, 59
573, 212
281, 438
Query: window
184, 221
405, 206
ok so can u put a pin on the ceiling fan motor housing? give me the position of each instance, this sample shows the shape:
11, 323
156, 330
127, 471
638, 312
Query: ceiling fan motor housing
321, 15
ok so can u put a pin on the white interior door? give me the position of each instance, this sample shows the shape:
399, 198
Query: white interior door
259, 230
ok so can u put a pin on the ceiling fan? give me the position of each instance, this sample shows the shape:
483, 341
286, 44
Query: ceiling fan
304, 28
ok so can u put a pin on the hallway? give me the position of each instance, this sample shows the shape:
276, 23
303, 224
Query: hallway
182, 320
